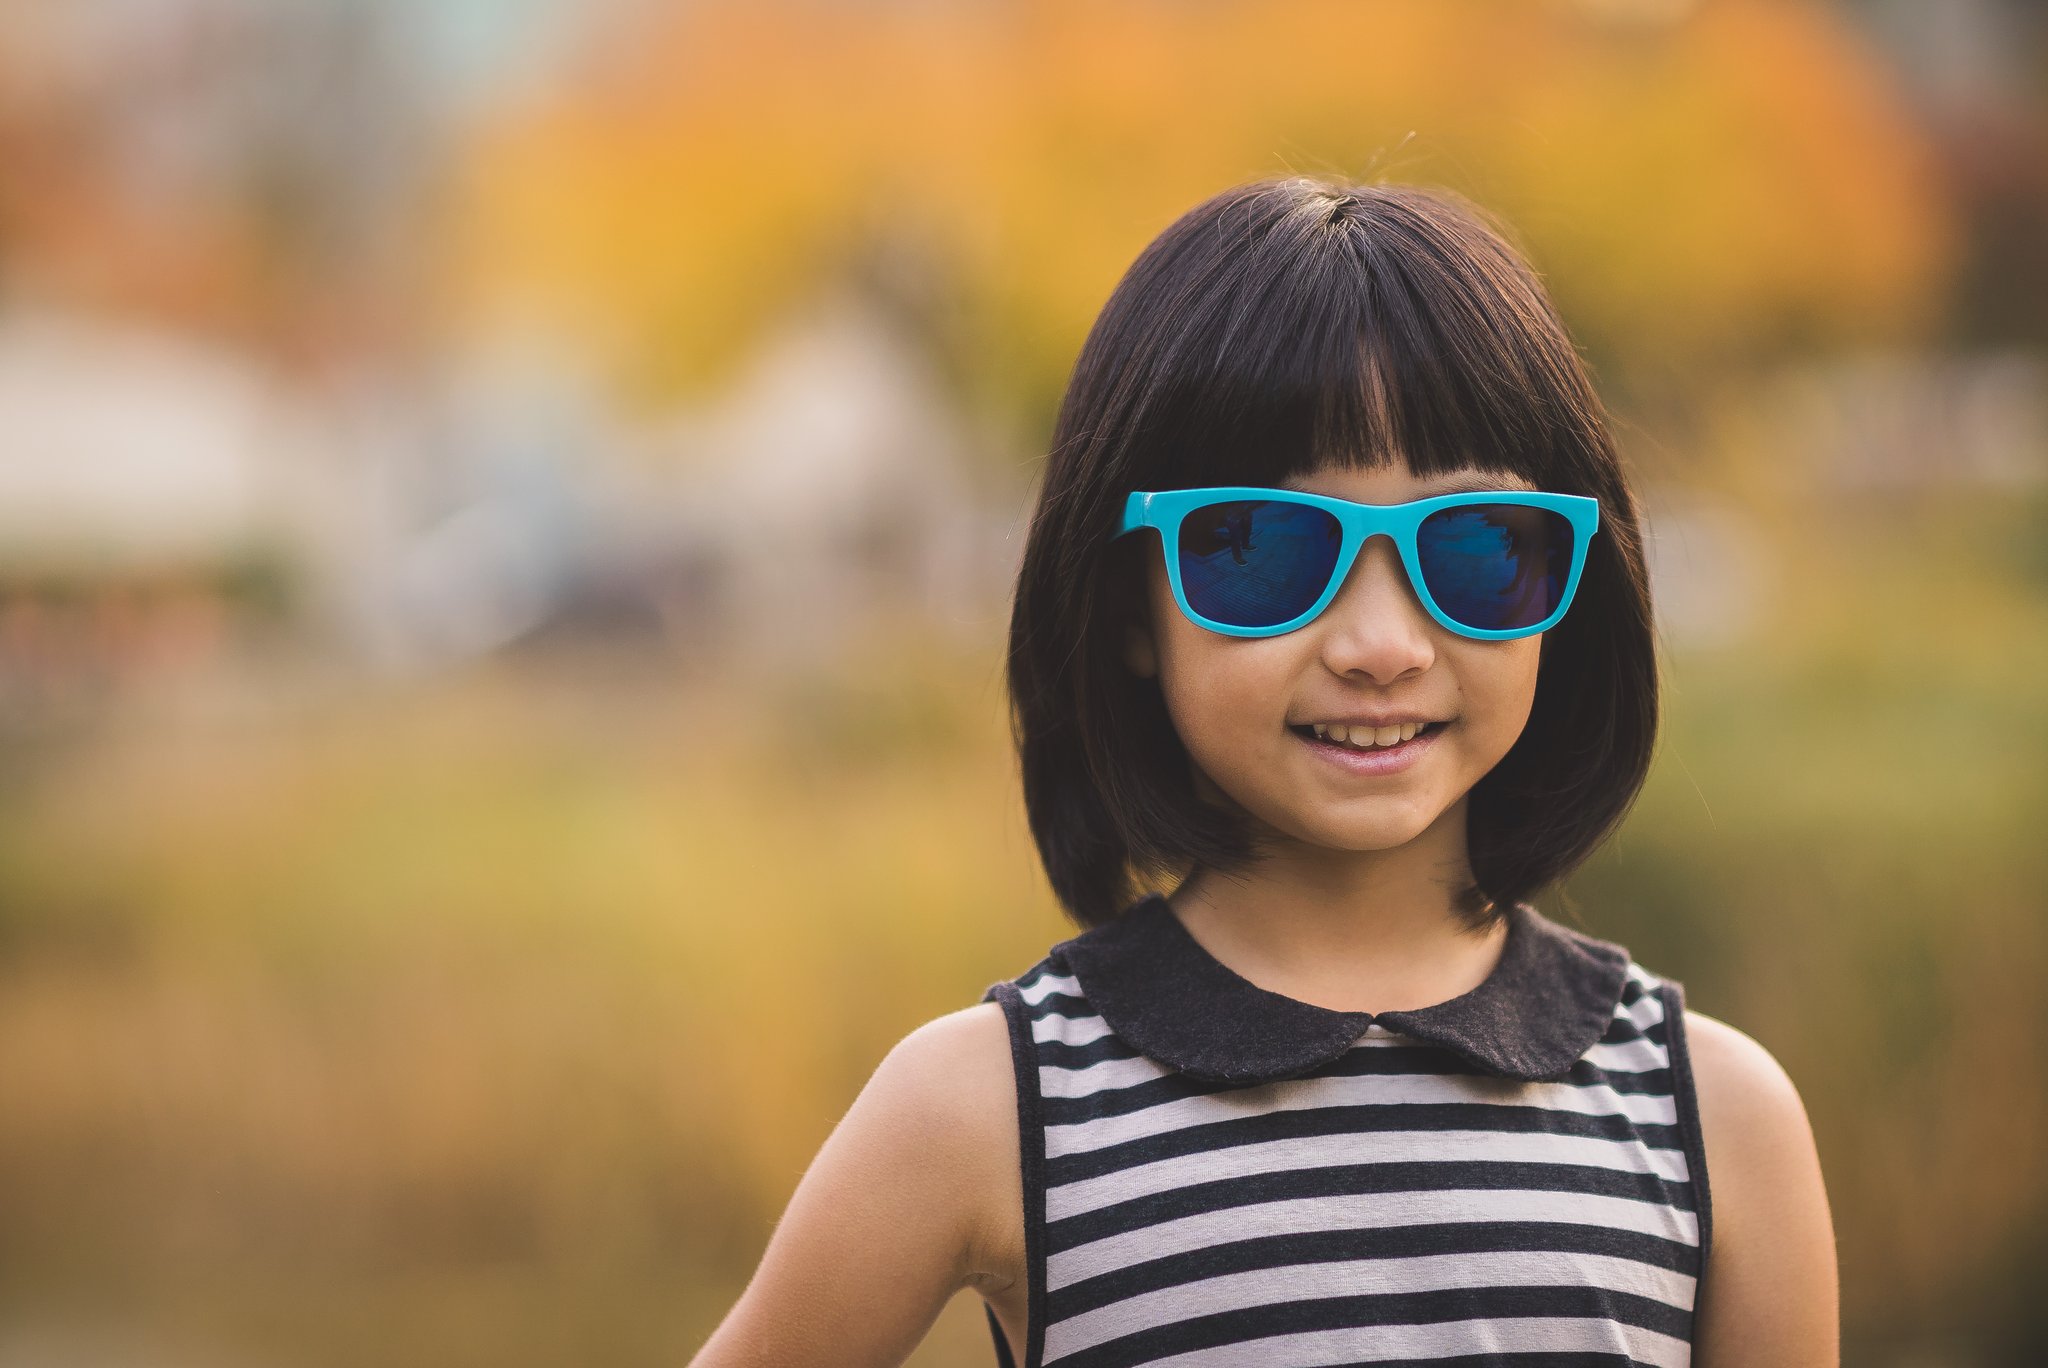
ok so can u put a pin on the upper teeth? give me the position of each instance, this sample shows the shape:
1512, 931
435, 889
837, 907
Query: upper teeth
1367, 736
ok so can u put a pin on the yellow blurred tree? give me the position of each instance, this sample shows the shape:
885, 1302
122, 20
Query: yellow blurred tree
1734, 178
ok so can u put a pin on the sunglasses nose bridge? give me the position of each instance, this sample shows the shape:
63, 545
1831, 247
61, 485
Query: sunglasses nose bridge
1379, 546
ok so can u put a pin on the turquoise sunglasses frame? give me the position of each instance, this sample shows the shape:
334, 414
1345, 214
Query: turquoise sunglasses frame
1164, 509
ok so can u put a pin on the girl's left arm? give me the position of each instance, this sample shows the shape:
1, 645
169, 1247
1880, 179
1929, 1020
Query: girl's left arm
1770, 1297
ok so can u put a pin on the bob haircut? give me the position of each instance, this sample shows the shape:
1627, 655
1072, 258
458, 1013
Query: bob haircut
1276, 328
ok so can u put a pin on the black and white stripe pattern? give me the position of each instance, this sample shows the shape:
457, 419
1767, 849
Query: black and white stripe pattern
1396, 1204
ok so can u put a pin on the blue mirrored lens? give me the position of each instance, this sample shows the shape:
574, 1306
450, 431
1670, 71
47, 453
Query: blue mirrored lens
1496, 566
1256, 563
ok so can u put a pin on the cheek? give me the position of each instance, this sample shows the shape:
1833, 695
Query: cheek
1500, 688
1223, 693
1200, 685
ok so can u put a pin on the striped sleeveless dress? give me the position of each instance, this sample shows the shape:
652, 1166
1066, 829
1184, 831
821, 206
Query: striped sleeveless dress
1216, 1175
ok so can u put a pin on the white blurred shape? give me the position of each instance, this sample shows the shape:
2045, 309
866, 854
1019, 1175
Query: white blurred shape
829, 484
121, 446
470, 584
1707, 567
1903, 419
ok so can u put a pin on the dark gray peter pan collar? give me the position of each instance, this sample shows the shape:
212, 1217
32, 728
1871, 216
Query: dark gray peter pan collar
1548, 1000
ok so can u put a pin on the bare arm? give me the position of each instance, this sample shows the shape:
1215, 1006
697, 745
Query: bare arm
1770, 1298
893, 1216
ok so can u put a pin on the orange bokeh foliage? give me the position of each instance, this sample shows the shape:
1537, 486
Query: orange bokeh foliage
1693, 190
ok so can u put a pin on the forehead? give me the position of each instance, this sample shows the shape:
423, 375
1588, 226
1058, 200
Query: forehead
1395, 481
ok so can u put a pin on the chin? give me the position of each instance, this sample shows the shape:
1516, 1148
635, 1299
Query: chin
1360, 837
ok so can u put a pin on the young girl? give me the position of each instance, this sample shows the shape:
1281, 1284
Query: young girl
1333, 616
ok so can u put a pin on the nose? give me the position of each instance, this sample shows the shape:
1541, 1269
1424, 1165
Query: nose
1376, 626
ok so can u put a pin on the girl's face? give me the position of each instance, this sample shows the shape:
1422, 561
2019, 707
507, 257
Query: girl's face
1375, 649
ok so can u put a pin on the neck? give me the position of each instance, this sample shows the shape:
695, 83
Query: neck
1354, 931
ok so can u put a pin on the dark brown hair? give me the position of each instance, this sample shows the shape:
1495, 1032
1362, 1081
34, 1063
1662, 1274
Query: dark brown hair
1275, 328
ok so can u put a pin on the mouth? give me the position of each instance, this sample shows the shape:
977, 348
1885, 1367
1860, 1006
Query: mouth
1370, 761
1307, 732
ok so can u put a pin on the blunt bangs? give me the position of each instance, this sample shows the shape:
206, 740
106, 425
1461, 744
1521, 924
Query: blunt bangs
1338, 331
1280, 327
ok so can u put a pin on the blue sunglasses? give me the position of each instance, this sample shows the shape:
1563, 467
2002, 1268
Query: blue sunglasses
1255, 562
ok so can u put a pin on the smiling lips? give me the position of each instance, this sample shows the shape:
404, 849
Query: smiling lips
1360, 736
1363, 758
1368, 736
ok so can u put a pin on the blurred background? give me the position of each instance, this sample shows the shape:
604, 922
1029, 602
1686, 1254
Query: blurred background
506, 518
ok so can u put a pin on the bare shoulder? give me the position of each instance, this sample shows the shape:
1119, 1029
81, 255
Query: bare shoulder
945, 1061
956, 1083
894, 1215
1770, 1295
953, 1074
1742, 1083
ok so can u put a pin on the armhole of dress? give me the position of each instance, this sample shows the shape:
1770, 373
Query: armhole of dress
1686, 1097
1031, 1152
